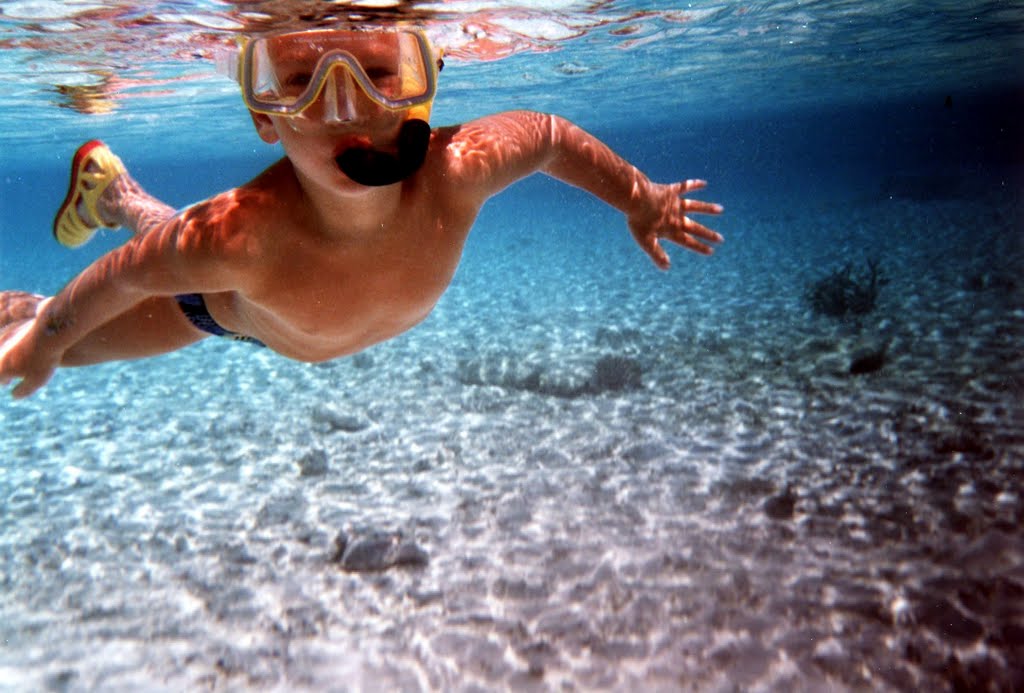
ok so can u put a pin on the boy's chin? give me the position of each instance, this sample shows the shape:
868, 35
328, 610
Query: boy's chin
344, 185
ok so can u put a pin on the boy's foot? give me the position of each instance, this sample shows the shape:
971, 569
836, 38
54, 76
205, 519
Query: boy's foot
93, 169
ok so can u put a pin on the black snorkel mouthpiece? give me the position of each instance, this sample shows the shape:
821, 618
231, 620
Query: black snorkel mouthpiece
372, 167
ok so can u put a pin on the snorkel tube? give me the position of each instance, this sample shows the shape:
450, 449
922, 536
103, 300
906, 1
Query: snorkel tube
373, 167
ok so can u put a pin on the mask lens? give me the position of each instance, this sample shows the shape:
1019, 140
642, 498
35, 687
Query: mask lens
286, 73
393, 65
282, 71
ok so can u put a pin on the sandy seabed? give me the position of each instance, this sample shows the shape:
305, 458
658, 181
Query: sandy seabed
577, 474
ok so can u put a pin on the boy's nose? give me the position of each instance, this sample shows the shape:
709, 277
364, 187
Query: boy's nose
339, 97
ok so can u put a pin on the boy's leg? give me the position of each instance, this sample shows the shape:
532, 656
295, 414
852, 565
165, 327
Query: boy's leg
102, 193
155, 326
126, 204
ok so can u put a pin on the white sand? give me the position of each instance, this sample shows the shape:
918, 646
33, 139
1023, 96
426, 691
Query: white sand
159, 532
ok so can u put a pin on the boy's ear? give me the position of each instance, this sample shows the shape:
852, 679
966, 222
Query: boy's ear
264, 127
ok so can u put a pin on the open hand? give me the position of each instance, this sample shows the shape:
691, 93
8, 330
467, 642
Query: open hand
663, 215
21, 357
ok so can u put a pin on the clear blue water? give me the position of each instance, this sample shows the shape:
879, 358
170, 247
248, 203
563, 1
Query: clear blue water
753, 515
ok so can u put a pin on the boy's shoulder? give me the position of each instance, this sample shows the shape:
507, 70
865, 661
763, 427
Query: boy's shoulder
483, 156
270, 195
242, 211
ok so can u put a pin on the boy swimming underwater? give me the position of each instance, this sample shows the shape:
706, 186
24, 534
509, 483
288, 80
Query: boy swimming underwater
348, 241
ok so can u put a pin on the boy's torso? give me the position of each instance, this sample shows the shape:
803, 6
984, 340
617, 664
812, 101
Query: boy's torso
311, 297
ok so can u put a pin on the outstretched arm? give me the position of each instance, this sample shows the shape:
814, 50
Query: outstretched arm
180, 257
493, 152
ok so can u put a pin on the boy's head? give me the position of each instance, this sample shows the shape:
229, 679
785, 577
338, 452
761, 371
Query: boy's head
345, 80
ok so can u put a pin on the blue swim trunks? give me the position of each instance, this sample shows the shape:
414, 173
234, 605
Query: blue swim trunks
194, 308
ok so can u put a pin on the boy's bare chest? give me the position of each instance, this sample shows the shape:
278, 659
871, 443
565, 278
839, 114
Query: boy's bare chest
377, 286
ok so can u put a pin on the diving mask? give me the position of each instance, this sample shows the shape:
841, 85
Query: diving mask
316, 73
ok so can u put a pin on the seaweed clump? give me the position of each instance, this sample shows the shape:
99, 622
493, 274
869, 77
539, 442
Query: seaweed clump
847, 290
616, 374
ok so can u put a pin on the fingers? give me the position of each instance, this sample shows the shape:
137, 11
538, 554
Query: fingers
691, 243
688, 231
26, 387
657, 254
30, 384
690, 185
691, 239
696, 206
702, 207
660, 257
676, 226
694, 228
10, 337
